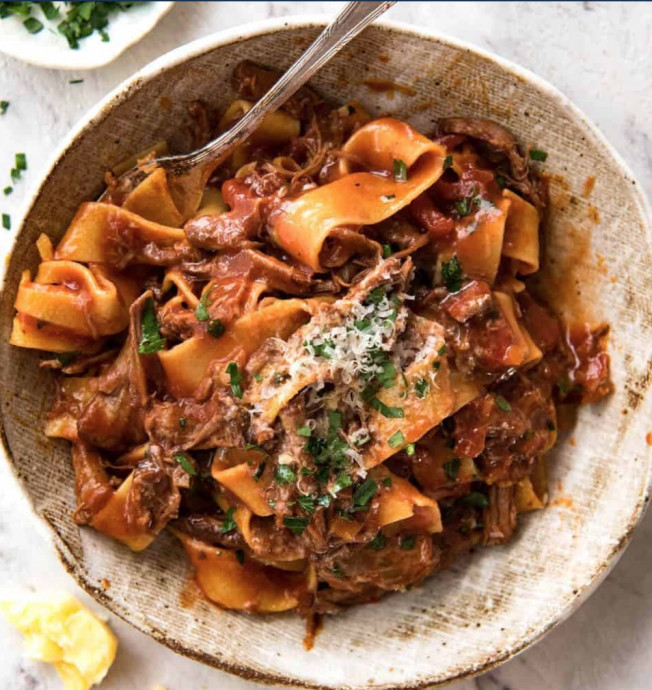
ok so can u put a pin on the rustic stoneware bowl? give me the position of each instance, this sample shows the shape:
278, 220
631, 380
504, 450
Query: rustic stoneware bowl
493, 604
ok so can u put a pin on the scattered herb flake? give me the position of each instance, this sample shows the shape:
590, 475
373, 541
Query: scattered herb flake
451, 272
285, 474
410, 449
182, 422
259, 470
337, 571
378, 542
258, 377
33, 25
421, 388
4, 105
386, 481
342, 481
476, 499
448, 162
400, 170
215, 328
364, 492
297, 525
397, 439
387, 251
75, 81
182, 460
201, 312
150, 339
537, 155
324, 500
306, 503
304, 431
503, 404
21, 161
388, 197
235, 379
500, 181
442, 350
308, 471
7, 191
452, 468
229, 524
550, 424
407, 542
386, 410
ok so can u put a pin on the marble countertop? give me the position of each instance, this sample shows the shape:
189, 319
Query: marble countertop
597, 54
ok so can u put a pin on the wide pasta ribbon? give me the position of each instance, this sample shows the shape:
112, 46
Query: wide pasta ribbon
303, 226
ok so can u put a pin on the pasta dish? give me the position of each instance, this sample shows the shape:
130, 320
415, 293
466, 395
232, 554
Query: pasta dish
330, 378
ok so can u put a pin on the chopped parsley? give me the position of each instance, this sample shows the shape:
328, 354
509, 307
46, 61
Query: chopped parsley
285, 474
76, 81
451, 273
259, 470
464, 206
388, 197
337, 571
387, 251
364, 492
376, 296
396, 440
304, 431
502, 404
215, 328
150, 339
324, 349
33, 25
66, 357
182, 460
407, 542
235, 379
387, 481
7, 191
182, 422
421, 388
201, 312
258, 377
378, 542
537, 155
297, 525
324, 500
386, 410
343, 481
229, 524
442, 350
329, 452
448, 162
550, 425
410, 449
476, 499
400, 170
21, 161
500, 181
6, 221
452, 468
308, 471
4, 105
307, 504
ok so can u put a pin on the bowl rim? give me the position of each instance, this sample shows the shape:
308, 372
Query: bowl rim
196, 48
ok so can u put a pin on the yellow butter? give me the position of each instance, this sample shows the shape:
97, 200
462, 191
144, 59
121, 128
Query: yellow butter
59, 630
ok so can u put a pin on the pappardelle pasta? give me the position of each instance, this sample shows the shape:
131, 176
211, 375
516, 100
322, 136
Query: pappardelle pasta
330, 378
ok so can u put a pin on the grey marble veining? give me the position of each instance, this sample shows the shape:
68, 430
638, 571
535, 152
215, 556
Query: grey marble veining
599, 55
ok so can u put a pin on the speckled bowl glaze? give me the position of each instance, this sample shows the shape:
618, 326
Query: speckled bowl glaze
492, 604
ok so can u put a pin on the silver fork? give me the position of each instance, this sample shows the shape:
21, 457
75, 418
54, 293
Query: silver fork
189, 172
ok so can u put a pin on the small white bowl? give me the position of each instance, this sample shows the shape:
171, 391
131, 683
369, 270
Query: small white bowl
49, 48
491, 605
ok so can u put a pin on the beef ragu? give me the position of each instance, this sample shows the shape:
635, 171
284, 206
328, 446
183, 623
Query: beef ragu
331, 379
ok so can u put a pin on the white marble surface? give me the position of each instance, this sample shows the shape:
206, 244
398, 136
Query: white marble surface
599, 55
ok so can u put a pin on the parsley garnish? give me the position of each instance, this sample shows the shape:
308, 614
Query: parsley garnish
235, 379
410, 449
500, 181
229, 524
421, 388
376, 296
387, 251
215, 328
400, 170
451, 272
324, 500
304, 431
3, 107
201, 312
182, 460
388, 197
537, 155
407, 542
337, 571
6, 221
386, 410
259, 470
364, 492
387, 481
33, 25
396, 440
285, 474
308, 471
448, 162
343, 481
7, 191
502, 403
297, 525
258, 377
442, 351
21, 161
550, 425
182, 422
476, 499
378, 542
452, 468
76, 81
150, 339
307, 504
324, 349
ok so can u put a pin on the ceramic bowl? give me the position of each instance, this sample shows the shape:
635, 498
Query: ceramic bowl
497, 601
49, 48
